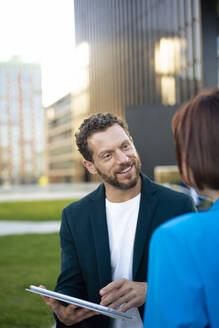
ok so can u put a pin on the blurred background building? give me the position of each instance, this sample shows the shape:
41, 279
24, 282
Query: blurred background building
59, 148
63, 161
141, 60
21, 122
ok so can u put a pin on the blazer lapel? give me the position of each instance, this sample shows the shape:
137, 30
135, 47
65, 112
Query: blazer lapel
146, 210
100, 234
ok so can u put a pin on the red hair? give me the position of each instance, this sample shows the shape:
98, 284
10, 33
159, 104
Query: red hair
196, 131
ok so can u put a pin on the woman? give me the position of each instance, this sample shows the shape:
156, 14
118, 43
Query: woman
183, 278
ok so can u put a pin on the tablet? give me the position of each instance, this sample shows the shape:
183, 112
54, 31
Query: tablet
79, 302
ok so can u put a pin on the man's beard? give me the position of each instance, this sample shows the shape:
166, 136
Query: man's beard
113, 180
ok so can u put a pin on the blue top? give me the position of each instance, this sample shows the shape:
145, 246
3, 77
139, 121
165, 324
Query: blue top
183, 277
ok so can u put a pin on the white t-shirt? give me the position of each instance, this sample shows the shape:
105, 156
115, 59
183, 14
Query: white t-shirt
122, 221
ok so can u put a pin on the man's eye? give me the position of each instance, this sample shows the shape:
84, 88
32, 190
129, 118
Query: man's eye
125, 146
106, 156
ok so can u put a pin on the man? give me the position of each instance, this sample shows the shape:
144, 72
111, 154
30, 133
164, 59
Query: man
105, 235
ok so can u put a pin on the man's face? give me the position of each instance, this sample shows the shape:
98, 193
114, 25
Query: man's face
115, 158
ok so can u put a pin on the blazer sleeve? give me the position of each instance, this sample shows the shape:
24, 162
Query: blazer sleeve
189, 205
175, 295
70, 280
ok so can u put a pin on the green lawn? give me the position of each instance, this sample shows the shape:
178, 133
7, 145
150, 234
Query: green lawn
48, 210
27, 259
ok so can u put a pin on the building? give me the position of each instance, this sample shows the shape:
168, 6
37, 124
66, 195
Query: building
21, 122
146, 58
62, 162
142, 59
59, 154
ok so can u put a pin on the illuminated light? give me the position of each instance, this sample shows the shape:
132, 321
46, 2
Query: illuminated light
168, 90
168, 55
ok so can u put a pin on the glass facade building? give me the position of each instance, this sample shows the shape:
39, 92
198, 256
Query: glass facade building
139, 59
141, 52
146, 56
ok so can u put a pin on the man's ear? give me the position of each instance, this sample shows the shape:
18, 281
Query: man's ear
89, 166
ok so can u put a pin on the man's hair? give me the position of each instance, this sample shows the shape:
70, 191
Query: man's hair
196, 131
95, 123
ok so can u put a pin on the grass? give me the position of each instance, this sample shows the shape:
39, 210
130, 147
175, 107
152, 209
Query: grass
48, 210
25, 260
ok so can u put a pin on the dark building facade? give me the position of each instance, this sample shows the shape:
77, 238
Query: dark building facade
146, 58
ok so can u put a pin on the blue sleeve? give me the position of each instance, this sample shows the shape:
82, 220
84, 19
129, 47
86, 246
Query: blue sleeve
175, 294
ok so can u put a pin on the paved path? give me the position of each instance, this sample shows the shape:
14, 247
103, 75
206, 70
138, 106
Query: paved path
36, 192
21, 227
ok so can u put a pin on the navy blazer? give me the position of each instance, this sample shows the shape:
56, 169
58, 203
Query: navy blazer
85, 259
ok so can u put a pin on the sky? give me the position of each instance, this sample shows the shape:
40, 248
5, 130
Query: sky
43, 31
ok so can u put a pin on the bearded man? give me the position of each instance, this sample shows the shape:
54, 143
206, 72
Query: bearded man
105, 235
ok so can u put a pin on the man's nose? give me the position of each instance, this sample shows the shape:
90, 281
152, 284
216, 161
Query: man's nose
121, 157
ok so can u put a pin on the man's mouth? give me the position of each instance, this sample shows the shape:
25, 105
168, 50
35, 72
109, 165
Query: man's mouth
126, 170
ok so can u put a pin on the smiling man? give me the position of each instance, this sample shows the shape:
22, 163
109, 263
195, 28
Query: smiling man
105, 235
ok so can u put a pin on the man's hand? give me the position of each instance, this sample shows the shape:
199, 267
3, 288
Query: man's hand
70, 314
123, 291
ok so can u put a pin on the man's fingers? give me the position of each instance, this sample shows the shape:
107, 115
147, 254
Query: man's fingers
48, 300
113, 296
130, 294
126, 299
82, 314
71, 308
113, 285
116, 294
53, 303
88, 314
72, 314
127, 306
